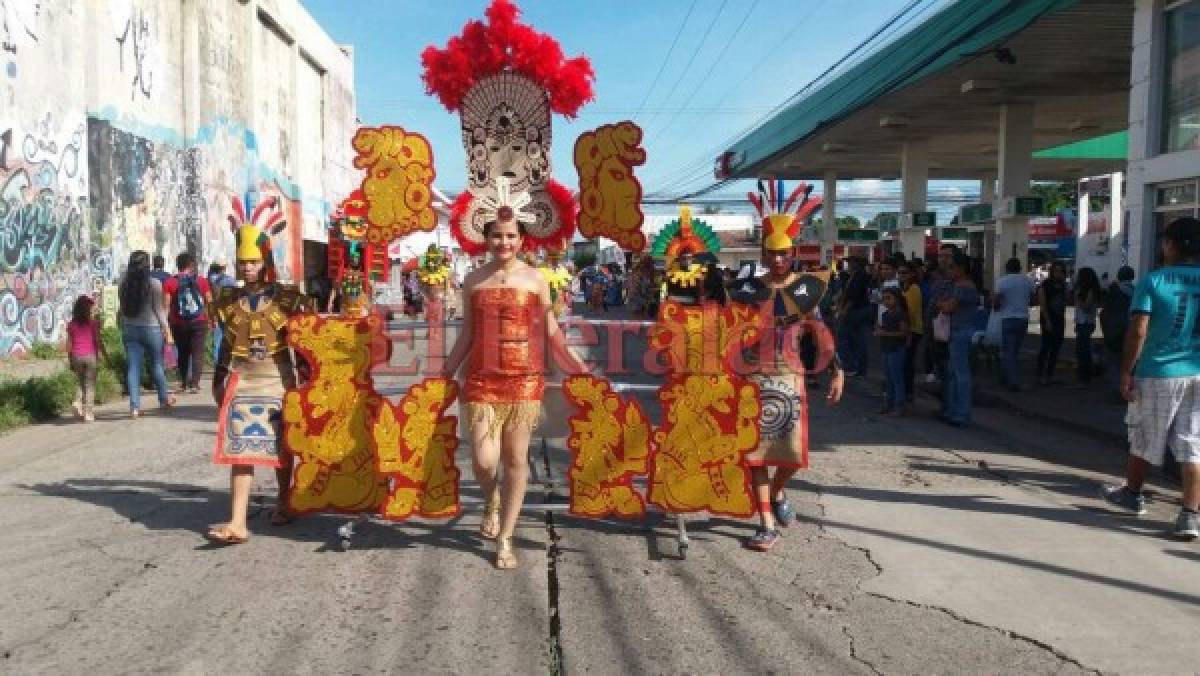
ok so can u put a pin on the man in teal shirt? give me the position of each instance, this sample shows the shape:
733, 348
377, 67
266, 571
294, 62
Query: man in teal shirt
1163, 391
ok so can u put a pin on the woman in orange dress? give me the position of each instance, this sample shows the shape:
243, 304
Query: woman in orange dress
509, 321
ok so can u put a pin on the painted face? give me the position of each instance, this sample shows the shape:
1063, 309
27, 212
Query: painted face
354, 229
250, 270
504, 240
777, 261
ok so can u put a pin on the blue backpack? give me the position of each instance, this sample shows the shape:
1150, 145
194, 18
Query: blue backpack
188, 302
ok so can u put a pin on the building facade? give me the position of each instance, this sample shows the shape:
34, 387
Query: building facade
131, 124
1163, 179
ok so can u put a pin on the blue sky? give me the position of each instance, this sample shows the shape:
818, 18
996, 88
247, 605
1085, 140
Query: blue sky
734, 60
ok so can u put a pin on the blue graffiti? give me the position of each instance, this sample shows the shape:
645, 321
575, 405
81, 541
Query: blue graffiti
33, 232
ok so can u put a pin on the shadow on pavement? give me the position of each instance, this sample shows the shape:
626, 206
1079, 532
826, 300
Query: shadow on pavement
1106, 580
163, 506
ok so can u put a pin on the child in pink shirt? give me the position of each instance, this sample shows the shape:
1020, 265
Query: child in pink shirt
83, 348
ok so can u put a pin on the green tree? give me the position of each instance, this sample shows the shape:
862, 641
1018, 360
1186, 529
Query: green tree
1055, 196
582, 260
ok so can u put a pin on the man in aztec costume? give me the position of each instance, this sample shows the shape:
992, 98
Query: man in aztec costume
347, 262
254, 365
788, 302
733, 399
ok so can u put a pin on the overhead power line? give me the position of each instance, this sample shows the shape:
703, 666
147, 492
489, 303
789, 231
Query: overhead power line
666, 59
887, 29
695, 52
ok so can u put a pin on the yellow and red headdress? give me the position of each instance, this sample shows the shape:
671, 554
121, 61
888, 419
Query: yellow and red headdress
252, 236
782, 218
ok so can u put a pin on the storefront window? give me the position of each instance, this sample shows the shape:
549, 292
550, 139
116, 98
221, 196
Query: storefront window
1181, 103
1177, 200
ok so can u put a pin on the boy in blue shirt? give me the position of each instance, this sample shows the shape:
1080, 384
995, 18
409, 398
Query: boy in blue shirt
1163, 342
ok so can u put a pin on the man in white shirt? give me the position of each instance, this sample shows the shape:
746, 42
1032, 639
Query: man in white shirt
1011, 302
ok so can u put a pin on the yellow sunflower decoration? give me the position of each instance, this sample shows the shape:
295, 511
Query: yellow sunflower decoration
434, 270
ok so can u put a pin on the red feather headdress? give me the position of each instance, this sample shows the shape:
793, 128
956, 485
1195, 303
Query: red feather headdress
503, 43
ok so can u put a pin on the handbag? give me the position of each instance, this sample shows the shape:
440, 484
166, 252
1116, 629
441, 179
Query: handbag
941, 328
993, 336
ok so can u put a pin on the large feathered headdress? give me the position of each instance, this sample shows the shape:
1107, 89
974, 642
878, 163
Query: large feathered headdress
504, 78
252, 236
782, 218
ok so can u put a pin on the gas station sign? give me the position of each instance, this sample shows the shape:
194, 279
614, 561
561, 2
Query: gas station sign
857, 235
887, 221
975, 213
1011, 207
920, 219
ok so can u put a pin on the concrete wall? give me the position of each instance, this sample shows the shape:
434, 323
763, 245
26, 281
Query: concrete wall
130, 124
1148, 168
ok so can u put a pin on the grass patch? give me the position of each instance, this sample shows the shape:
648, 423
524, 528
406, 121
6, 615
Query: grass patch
36, 399
43, 350
108, 385
12, 415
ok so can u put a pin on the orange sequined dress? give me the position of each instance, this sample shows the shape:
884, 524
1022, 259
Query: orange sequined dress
506, 368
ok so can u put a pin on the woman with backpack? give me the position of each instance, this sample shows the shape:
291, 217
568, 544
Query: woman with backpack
143, 323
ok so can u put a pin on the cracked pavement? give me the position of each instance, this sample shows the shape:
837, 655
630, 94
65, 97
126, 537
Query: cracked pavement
917, 549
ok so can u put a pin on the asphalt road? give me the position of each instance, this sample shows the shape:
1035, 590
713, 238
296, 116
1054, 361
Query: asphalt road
919, 549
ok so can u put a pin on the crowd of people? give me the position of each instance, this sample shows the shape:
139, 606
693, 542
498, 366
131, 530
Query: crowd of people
927, 318
934, 318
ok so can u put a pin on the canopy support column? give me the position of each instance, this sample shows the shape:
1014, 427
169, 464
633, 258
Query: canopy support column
1015, 164
914, 191
829, 234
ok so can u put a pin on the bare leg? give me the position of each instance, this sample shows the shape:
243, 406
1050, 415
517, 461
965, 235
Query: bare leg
485, 456
1135, 473
515, 455
241, 480
283, 476
762, 495
779, 481
516, 475
1191, 485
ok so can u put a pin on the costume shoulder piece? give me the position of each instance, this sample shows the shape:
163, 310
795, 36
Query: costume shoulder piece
749, 291
806, 292
289, 299
227, 298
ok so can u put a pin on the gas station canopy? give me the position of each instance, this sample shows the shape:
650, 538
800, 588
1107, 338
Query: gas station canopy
944, 83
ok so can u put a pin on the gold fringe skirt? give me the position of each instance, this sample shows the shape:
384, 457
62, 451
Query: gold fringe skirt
499, 416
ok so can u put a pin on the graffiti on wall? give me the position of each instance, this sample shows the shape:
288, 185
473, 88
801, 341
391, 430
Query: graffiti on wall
18, 24
46, 255
146, 196
135, 41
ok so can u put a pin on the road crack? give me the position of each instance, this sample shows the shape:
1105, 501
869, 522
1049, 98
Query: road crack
854, 653
554, 637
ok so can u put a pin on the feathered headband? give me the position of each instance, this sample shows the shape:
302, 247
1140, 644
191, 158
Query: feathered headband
782, 224
252, 236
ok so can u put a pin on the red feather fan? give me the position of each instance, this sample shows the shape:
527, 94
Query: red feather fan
458, 211
505, 44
